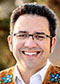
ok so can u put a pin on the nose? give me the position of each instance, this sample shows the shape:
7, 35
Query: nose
30, 43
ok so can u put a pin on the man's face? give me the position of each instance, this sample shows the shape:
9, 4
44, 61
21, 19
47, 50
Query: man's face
31, 53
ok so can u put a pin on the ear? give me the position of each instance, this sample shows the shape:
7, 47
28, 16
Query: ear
53, 44
10, 43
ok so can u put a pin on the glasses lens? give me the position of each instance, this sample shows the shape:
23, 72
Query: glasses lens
40, 37
21, 35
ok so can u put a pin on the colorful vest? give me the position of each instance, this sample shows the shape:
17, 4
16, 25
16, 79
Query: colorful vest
52, 76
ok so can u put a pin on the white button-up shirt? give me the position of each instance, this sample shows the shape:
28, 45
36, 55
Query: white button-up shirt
37, 78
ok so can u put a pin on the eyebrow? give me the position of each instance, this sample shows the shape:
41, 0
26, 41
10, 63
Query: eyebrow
22, 32
40, 33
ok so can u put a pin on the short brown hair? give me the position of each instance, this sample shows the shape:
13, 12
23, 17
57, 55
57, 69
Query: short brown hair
32, 8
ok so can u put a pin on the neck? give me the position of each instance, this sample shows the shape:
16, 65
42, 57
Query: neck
26, 73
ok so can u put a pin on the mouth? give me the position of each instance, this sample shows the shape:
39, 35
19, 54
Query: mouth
31, 53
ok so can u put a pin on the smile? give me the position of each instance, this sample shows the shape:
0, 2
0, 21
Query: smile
31, 53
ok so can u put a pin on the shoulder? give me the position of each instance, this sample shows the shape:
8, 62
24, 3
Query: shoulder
7, 75
54, 68
52, 75
9, 70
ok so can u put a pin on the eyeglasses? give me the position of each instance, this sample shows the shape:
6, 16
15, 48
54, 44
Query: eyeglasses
38, 35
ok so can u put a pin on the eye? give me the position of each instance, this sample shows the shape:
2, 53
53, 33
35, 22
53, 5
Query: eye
21, 36
40, 37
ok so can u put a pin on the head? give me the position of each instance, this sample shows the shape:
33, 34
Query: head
32, 19
40, 10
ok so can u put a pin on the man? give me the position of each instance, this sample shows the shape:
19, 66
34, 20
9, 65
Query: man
32, 40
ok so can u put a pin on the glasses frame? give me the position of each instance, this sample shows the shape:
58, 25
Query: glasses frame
41, 33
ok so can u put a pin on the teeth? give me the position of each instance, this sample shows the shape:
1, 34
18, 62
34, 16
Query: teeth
29, 53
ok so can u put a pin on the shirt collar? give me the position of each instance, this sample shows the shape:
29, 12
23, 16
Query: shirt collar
43, 71
17, 74
40, 73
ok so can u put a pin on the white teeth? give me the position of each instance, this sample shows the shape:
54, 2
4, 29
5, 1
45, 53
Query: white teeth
29, 53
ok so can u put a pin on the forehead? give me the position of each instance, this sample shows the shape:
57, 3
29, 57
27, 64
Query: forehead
31, 23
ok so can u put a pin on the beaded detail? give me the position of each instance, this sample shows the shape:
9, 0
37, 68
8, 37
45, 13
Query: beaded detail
54, 77
0, 82
7, 79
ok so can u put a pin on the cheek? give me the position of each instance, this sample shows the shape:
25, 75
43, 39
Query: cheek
44, 45
17, 44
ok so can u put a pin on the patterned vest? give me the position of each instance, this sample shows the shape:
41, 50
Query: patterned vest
52, 76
